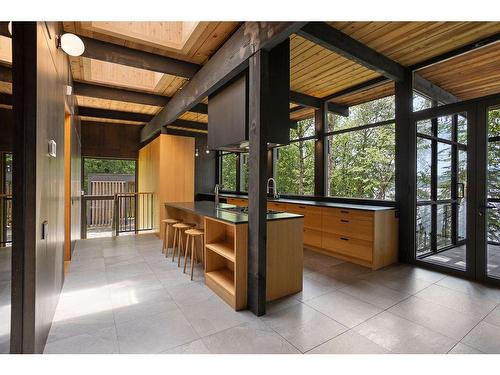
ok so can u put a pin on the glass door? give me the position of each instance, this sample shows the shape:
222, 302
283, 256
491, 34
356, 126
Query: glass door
441, 191
493, 193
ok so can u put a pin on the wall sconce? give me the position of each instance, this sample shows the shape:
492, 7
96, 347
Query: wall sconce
207, 151
196, 153
71, 44
9, 27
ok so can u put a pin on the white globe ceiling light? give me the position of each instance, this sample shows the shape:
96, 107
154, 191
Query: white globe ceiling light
71, 44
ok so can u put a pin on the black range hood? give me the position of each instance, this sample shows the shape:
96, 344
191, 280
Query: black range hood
228, 107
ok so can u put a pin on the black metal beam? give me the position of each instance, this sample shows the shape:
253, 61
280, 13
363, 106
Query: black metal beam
313, 102
320, 146
495, 38
433, 91
190, 124
111, 93
230, 60
4, 29
114, 53
5, 74
338, 42
357, 88
115, 115
5, 99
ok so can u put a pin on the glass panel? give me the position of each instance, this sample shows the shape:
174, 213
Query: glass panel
304, 129
443, 225
420, 102
228, 172
493, 265
363, 114
462, 129
244, 172
462, 195
424, 127
443, 171
361, 163
494, 122
424, 161
423, 230
444, 126
494, 170
294, 168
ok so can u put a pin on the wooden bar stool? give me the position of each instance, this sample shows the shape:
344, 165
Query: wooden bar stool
166, 229
192, 234
179, 229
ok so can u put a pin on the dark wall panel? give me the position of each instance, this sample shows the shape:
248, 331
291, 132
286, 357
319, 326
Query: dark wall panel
204, 167
6, 129
106, 140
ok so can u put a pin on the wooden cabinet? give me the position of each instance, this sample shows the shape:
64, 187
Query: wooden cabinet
237, 201
366, 237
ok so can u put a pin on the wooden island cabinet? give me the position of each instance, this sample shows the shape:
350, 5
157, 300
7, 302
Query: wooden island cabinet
365, 235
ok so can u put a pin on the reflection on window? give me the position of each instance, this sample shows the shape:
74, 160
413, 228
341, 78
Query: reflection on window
462, 129
367, 113
244, 172
228, 171
424, 127
423, 229
361, 163
443, 225
420, 102
424, 162
444, 125
443, 171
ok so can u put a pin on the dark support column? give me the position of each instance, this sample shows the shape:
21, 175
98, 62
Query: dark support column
320, 124
259, 114
24, 61
405, 166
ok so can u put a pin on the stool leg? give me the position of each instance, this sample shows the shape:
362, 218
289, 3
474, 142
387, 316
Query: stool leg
193, 255
186, 254
175, 243
167, 233
163, 245
181, 247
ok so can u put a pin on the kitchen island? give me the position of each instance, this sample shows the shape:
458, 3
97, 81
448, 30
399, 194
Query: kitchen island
226, 249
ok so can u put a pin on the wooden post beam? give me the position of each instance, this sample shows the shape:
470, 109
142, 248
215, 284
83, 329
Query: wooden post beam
432, 90
230, 60
330, 38
114, 53
111, 114
316, 103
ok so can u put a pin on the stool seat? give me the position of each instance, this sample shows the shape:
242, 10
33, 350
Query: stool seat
170, 221
195, 232
183, 225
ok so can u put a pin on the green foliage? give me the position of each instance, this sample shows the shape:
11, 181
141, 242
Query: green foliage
494, 174
228, 165
108, 166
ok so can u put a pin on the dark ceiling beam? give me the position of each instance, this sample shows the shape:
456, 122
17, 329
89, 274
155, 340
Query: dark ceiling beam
113, 115
357, 88
114, 53
313, 102
297, 108
4, 29
490, 40
5, 99
433, 91
111, 93
230, 60
334, 40
99, 123
128, 96
5, 74
189, 124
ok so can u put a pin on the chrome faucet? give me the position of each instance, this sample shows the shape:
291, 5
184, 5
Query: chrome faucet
275, 188
216, 191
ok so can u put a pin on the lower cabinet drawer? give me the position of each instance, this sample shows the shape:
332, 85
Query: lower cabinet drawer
276, 206
355, 228
312, 237
348, 246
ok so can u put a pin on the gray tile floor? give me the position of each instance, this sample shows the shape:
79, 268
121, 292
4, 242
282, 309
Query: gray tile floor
122, 296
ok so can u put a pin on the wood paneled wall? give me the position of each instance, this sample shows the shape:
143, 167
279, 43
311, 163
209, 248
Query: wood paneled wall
166, 167
108, 140
40, 75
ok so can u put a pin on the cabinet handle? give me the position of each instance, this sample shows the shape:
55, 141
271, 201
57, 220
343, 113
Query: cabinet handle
344, 211
302, 206
344, 220
344, 239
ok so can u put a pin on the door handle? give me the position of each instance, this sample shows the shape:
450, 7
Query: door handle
460, 190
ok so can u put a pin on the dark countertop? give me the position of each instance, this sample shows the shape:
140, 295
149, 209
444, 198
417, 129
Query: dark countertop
318, 203
207, 208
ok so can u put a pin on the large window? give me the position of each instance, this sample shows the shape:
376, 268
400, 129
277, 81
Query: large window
228, 171
108, 176
361, 152
294, 163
